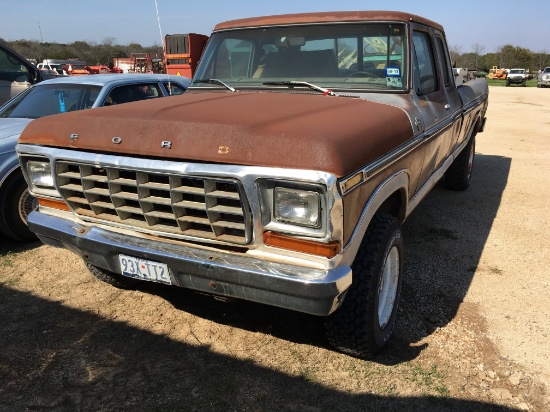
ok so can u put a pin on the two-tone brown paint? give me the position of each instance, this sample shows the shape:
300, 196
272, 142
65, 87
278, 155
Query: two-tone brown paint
303, 131
326, 17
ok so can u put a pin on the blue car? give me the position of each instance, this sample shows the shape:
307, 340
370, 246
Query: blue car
63, 94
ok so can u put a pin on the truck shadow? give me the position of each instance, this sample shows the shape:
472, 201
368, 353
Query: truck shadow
444, 240
8, 246
54, 357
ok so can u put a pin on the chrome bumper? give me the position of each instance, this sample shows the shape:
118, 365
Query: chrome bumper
313, 291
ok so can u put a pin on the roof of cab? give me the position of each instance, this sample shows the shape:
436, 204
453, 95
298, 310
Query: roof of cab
326, 17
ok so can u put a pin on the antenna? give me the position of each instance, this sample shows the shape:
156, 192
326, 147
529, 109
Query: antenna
163, 45
40, 30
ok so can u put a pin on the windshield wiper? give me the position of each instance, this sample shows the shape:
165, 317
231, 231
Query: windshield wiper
292, 83
215, 81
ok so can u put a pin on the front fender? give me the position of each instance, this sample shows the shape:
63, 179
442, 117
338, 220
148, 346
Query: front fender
396, 183
9, 163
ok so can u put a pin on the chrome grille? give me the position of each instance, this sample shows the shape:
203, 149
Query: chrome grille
170, 204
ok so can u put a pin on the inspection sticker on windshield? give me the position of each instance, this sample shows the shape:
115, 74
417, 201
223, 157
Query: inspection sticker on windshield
393, 72
144, 269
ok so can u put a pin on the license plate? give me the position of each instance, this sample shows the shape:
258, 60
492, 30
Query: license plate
144, 269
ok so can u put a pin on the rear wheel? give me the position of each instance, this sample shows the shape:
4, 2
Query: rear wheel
459, 174
16, 203
114, 279
366, 320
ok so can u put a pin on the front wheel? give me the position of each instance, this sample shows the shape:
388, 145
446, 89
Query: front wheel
367, 318
15, 205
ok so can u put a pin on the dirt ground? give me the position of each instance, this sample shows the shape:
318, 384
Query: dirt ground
473, 329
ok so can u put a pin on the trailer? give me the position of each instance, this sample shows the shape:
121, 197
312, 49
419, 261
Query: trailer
182, 53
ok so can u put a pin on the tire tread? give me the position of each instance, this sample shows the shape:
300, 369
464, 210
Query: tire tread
351, 328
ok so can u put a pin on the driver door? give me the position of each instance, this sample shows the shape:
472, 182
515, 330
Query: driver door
14, 75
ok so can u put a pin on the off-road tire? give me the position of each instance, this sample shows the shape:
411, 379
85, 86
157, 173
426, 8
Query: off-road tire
114, 279
355, 328
459, 174
15, 204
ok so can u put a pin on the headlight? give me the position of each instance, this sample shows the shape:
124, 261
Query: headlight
297, 207
40, 174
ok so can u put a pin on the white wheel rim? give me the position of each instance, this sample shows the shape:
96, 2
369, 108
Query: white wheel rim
387, 290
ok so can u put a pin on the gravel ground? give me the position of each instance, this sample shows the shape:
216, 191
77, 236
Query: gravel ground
472, 331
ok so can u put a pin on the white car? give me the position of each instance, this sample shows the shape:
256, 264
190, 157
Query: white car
544, 78
63, 94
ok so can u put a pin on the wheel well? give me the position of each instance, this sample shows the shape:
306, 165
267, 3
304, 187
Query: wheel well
12, 174
395, 205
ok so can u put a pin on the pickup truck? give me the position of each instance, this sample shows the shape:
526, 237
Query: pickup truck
543, 79
282, 176
516, 76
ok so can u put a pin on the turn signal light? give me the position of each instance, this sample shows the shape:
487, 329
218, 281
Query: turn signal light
328, 250
54, 204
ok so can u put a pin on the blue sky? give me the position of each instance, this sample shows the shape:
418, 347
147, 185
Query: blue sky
523, 23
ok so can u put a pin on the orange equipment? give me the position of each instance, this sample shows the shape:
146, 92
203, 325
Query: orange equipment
496, 73
182, 53
79, 71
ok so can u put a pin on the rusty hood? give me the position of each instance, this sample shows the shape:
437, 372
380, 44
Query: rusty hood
303, 131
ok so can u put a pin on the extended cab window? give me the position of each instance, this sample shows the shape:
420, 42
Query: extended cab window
425, 74
443, 60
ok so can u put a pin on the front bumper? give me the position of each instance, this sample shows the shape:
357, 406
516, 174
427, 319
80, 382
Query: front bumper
313, 291
516, 80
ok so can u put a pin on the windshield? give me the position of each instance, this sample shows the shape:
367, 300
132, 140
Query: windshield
44, 100
345, 56
517, 71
